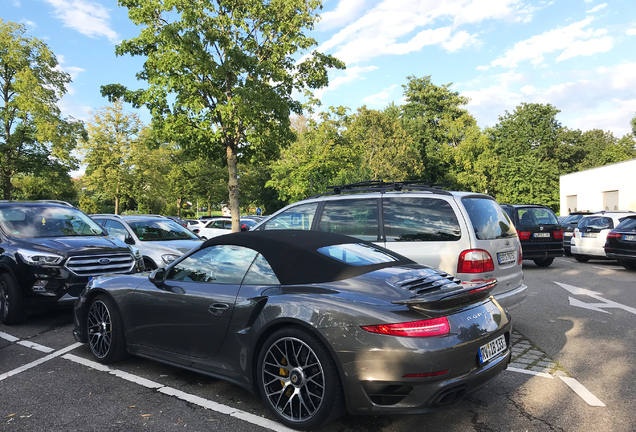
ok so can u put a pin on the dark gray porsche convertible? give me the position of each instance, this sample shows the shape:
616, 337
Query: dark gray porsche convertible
314, 322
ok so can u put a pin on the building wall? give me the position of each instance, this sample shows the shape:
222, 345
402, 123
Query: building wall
589, 185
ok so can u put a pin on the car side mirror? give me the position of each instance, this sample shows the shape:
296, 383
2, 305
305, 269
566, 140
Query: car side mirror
244, 228
129, 241
158, 276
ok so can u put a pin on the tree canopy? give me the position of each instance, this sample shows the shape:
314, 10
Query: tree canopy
221, 73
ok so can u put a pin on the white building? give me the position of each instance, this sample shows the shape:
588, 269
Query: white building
610, 187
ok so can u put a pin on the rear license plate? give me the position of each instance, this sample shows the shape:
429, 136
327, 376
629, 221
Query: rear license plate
629, 237
567, 234
592, 235
491, 349
506, 257
542, 234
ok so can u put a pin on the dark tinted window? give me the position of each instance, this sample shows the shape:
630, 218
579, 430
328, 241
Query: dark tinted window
628, 224
573, 219
596, 222
357, 218
221, 264
160, 230
419, 219
260, 273
299, 217
45, 221
488, 219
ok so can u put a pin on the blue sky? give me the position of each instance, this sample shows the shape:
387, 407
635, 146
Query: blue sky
578, 55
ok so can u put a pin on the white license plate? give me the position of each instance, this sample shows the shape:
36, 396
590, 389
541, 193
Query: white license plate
592, 235
629, 237
491, 349
506, 257
568, 234
541, 234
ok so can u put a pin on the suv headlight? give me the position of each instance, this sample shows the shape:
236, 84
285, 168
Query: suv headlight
39, 258
169, 258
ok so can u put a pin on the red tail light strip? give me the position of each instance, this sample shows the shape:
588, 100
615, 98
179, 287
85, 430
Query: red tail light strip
425, 328
426, 375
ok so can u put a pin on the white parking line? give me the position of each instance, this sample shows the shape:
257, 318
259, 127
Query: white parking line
39, 361
8, 337
187, 397
36, 346
609, 269
529, 372
584, 393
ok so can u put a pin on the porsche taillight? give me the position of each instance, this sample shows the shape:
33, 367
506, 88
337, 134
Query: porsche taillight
425, 328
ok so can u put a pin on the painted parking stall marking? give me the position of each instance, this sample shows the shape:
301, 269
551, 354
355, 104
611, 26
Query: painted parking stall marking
584, 393
39, 361
601, 304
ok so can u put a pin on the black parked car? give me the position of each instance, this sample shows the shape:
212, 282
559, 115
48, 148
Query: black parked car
49, 251
314, 322
539, 231
569, 224
621, 243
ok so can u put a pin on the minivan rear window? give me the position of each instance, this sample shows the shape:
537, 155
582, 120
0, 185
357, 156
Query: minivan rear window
353, 217
419, 219
488, 218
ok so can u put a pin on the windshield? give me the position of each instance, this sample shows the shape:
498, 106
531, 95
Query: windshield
530, 216
160, 230
573, 219
46, 221
628, 224
488, 218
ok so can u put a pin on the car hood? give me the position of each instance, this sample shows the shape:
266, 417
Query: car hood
172, 246
75, 245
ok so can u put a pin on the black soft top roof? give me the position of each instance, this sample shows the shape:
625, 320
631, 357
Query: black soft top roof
294, 256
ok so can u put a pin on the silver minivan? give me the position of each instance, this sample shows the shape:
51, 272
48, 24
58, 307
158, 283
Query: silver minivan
465, 234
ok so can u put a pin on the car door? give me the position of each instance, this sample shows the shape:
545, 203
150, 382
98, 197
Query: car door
189, 313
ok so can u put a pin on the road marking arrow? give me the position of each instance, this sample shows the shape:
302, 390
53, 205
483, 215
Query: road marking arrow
603, 303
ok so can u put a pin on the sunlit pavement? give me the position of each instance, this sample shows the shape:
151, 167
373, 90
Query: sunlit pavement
572, 369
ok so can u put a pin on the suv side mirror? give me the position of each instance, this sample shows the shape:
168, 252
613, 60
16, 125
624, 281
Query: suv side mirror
129, 241
158, 276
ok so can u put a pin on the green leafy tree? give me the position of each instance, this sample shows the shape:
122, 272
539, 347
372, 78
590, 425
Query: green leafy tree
221, 73
34, 137
107, 152
434, 117
633, 124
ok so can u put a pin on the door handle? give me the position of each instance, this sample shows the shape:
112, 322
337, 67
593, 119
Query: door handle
218, 308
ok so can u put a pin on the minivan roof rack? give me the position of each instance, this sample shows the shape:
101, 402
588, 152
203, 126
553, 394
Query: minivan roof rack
381, 185
106, 214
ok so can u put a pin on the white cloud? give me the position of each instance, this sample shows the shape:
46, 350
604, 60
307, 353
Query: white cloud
351, 74
572, 40
483, 68
73, 71
343, 14
29, 23
586, 48
78, 111
604, 98
631, 32
90, 19
388, 27
597, 8
16, 3
381, 98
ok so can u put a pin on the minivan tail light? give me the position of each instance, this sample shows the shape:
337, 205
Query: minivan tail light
558, 234
523, 235
425, 328
613, 234
475, 261
520, 255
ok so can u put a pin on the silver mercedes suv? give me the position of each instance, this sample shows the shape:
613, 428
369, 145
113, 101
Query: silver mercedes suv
467, 235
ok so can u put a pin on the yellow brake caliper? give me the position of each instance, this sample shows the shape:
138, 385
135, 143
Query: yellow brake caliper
283, 371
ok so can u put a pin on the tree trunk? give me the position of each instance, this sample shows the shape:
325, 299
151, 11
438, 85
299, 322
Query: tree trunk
116, 205
209, 208
179, 200
233, 188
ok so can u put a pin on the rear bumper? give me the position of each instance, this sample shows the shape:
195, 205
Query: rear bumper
620, 255
542, 254
513, 298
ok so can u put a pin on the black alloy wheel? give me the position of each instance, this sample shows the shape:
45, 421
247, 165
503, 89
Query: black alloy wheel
105, 330
11, 310
298, 379
581, 258
544, 262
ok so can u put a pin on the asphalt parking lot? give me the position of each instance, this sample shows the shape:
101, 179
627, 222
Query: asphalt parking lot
572, 369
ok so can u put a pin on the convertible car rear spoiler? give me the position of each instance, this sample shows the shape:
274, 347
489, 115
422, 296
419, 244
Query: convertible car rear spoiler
452, 295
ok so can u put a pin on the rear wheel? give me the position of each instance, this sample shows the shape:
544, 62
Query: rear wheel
105, 330
544, 262
11, 308
581, 258
298, 379
629, 265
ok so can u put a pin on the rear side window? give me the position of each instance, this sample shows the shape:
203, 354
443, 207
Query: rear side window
299, 217
628, 224
488, 218
357, 254
572, 219
357, 218
419, 219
